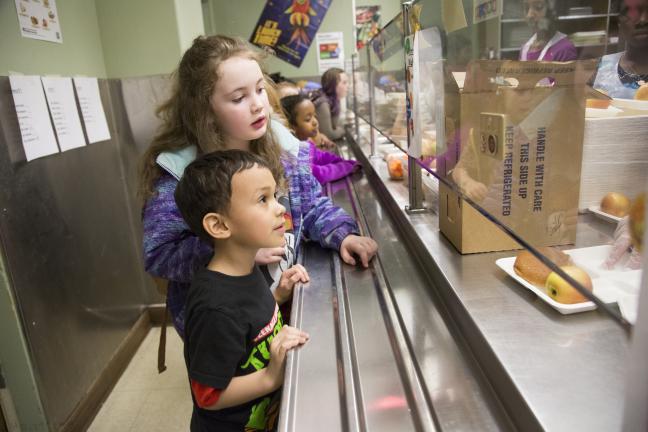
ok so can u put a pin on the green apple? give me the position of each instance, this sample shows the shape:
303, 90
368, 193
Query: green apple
562, 291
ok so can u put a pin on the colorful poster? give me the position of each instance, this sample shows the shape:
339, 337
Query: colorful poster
38, 19
486, 9
330, 48
287, 28
367, 20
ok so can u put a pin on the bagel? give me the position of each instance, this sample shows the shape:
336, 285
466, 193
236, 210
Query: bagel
532, 270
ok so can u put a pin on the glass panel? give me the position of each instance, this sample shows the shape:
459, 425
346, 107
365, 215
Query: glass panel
387, 59
514, 140
362, 83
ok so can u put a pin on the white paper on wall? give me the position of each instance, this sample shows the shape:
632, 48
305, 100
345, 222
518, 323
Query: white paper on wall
34, 120
38, 19
92, 110
330, 51
63, 108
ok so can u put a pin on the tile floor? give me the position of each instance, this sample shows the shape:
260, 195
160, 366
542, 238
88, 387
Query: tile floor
144, 400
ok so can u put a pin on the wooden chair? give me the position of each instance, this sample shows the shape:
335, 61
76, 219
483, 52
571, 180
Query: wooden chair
162, 286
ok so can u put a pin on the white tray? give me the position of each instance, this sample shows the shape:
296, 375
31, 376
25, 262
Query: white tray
609, 285
606, 216
602, 113
632, 104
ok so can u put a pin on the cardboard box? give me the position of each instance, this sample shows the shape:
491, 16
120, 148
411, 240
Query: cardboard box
467, 229
515, 146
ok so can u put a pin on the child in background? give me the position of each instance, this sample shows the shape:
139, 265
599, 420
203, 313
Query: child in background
287, 88
326, 167
219, 102
235, 340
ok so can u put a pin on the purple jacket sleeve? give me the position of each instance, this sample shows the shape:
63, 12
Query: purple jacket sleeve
323, 221
328, 167
171, 250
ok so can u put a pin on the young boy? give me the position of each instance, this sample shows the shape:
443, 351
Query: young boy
235, 340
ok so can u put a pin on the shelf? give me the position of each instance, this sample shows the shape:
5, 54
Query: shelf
581, 45
562, 18
579, 17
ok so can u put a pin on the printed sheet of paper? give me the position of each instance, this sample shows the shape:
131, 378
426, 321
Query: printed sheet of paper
486, 9
35, 125
454, 16
39, 19
330, 51
94, 116
62, 105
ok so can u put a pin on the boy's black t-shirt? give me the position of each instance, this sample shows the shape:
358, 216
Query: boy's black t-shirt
229, 324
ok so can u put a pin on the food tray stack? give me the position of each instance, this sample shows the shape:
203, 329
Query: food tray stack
615, 158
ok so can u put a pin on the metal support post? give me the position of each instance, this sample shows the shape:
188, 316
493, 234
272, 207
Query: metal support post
372, 107
415, 183
354, 61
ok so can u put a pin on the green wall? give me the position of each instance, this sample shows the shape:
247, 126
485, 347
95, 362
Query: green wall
80, 53
146, 37
239, 18
104, 38
189, 18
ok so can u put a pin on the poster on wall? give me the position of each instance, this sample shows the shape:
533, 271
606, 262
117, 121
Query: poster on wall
38, 19
286, 28
330, 51
486, 9
367, 20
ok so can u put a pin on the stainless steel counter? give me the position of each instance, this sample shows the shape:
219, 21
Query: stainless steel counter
380, 357
549, 371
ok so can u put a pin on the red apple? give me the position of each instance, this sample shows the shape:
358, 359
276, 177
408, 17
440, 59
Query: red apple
563, 292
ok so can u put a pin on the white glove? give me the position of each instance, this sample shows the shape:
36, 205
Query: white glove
623, 244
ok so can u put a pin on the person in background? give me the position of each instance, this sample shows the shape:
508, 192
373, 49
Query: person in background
229, 199
287, 88
335, 85
326, 167
219, 102
547, 43
619, 75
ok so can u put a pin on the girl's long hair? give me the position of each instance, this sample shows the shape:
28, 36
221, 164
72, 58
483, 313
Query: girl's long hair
330, 80
188, 118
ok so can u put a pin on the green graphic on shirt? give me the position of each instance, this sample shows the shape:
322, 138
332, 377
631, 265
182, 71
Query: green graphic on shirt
257, 418
260, 355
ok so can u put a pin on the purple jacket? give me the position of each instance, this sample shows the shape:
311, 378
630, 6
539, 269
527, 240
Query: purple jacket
328, 167
173, 252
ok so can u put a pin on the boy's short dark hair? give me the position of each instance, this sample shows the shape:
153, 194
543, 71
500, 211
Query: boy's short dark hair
206, 185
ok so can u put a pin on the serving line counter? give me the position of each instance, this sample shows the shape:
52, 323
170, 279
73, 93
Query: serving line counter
380, 357
548, 371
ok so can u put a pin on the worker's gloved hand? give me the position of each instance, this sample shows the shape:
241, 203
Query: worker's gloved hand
622, 250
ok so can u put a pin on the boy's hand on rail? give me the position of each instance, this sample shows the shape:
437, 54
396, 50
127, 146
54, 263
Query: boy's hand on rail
289, 279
